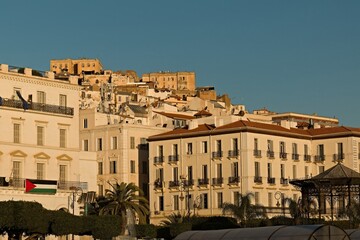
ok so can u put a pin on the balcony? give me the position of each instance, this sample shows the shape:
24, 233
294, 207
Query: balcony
257, 153
61, 185
271, 180
338, 156
158, 184
270, 154
307, 158
295, 156
38, 107
174, 183
217, 181
233, 153
189, 182
173, 159
158, 160
203, 181
217, 154
257, 179
234, 180
284, 181
319, 158
283, 155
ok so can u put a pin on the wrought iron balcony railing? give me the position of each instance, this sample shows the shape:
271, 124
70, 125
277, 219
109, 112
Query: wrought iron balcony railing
257, 153
217, 154
173, 158
233, 153
307, 158
270, 154
271, 180
158, 184
203, 181
61, 185
284, 181
158, 160
174, 183
257, 179
295, 156
339, 156
217, 181
40, 107
283, 155
234, 180
319, 158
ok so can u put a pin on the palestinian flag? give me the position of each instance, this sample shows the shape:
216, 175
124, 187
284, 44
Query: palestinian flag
40, 186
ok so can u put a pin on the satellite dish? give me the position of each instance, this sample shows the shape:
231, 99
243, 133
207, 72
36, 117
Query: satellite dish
241, 113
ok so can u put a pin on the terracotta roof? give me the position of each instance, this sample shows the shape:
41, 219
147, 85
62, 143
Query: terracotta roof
203, 113
178, 132
242, 125
175, 115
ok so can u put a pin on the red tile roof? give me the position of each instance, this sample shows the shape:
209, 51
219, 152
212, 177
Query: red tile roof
175, 115
271, 129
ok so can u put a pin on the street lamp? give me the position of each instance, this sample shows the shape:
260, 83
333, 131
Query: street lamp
184, 186
280, 196
76, 191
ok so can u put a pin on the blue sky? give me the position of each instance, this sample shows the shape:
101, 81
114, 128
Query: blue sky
287, 56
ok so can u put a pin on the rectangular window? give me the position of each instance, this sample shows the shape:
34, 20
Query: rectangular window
40, 135
235, 146
132, 166
41, 97
176, 202
100, 168
175, 175
189, 149
161, 151
204, 147
294, 148
321, 169
40, 171
218, 146
219, 200
62, 173
85, 123
175, 149
62, 100
235, 169
16, 171
270, 199
204, 172
320, 150
160, 174
85, 145
257, 198
190, 173
16, 133
306, 150
236, 198
62, 138
256, 144
132, 142
161, 203
114, 143
269, 170
112, 166
294, 172
204, 201
306, 172
282, 171
282, 147
270, 145
257, 169
99, 144
219, 170
100, 190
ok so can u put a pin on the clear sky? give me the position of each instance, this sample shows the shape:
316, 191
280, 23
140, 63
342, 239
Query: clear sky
288, 56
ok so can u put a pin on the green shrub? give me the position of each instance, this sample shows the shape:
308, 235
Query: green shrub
177, 228
145, 231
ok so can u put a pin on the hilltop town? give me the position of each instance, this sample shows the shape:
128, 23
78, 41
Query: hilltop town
189, 149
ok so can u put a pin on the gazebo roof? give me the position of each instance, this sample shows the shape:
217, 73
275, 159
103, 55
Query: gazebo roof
336, 175
337, 171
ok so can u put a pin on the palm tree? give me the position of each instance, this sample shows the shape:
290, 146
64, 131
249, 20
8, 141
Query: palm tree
294, 208
125, 198
173, 218
244, 210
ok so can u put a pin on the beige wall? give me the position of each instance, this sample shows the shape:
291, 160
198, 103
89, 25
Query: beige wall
266, 191
172, 80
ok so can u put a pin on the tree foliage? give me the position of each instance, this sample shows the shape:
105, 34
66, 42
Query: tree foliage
19, 218
245, 210
123, 197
